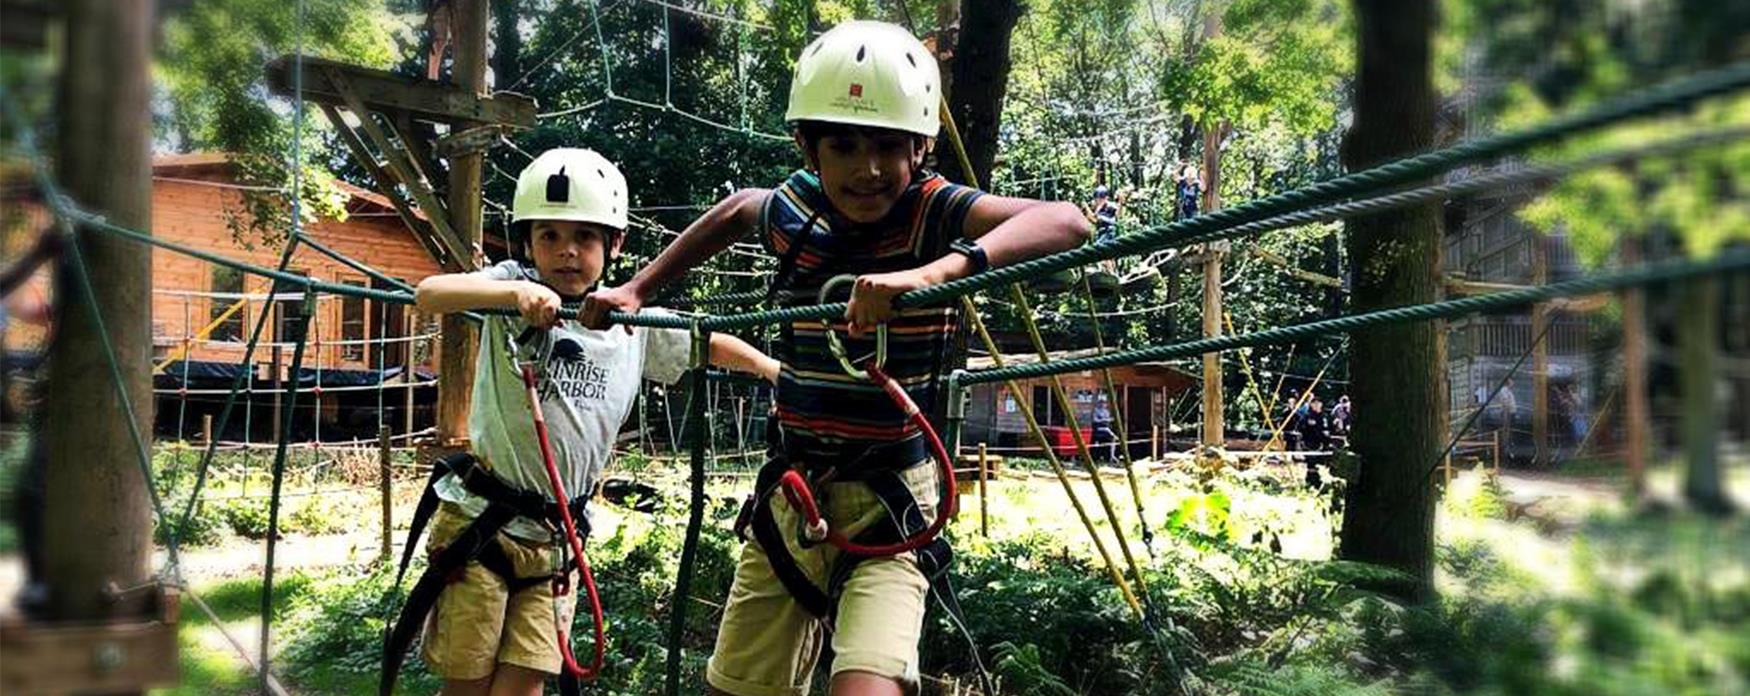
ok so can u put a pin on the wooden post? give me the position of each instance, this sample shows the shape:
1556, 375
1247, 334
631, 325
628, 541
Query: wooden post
96, 521
385, 455
407, 376
460, 344
1540, 317
1154, 443
983, 490
1634, 376
207, 429
1214, 427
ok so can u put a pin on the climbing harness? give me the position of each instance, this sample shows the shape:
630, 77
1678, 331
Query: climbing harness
796, 489
478, 543
905, 528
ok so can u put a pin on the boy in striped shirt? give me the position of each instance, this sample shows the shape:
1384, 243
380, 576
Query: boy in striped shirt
864, 110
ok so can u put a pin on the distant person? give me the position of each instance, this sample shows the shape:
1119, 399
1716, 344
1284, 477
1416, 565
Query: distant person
1315, 436
1103, 212
1506, 405
1188, 190
1568, 398
1103, 433
1340, 417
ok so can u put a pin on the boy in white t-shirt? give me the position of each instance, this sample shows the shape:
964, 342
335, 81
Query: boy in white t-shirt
490, 587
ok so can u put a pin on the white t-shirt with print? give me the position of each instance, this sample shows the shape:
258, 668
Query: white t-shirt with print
588, 383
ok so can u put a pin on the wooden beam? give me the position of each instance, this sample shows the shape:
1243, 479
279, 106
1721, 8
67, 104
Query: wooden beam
408, 174
423, 99
385, 185
87, 658
470, 141
1277, 260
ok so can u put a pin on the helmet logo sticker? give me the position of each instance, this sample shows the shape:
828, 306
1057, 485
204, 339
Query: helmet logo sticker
559, 187
856, 90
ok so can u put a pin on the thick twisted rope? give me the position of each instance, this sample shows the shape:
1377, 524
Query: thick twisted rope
1649, 274
1652, 101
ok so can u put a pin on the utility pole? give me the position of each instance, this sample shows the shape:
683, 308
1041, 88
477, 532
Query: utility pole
460, 344
1214, 429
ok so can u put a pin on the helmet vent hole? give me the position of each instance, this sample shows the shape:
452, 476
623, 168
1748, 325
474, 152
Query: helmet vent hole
816, 49
860, 51
600, 173
909, 59
926, 89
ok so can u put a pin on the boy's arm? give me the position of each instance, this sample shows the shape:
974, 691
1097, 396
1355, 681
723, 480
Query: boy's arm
731, 353
457, 292
713, 232
1010, 230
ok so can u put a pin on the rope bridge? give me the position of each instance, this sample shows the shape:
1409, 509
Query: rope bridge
1386, 187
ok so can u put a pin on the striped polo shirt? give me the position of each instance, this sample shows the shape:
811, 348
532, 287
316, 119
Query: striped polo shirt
829, 417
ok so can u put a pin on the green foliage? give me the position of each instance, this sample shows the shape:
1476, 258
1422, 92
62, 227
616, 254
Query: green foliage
247, 517
212, 63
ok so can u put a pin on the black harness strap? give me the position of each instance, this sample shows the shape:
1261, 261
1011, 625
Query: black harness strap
904, 517
477, 542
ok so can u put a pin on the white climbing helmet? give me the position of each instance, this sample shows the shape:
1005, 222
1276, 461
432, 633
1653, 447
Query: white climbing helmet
864, 73
571, 184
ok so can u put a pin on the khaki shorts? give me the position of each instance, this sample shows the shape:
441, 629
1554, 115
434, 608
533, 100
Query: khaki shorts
478, 624
767, 644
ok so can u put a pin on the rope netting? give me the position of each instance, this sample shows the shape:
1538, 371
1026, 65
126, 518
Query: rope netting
1390, 186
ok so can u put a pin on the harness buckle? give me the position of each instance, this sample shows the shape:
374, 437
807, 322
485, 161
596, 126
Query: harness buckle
838, 348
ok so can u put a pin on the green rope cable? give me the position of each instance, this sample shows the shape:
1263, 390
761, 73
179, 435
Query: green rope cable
1648, 274
83, 276
372, 273
1118, 419
1651, 101
279, 472
309, 308
679, 602
243, 379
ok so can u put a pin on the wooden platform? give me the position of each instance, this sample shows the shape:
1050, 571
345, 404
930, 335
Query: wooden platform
95, 657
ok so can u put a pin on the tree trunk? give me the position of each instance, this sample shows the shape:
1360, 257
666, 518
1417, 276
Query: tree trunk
507, 43
980, 78
96, 511
1399, 396
1698, 344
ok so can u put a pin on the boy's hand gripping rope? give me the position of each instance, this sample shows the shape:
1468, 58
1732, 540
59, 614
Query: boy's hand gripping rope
796, 489
561, 582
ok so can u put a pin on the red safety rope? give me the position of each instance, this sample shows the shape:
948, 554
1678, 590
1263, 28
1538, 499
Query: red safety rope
561, 583
796, 488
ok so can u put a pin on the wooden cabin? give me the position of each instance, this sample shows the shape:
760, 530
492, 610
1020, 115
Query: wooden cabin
1145, 392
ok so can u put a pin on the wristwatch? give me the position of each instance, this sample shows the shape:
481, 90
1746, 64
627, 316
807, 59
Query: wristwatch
972, 251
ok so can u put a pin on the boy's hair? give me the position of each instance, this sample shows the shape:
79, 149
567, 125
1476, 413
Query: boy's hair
813, 131
517, 237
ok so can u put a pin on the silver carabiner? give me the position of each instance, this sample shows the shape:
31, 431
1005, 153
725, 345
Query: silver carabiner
832, 338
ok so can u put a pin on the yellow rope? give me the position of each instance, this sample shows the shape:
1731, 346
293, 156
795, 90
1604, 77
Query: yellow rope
200, 335
1033, 424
